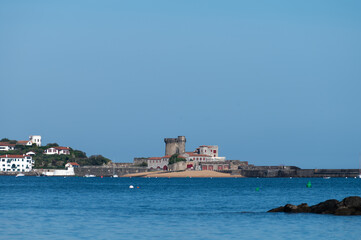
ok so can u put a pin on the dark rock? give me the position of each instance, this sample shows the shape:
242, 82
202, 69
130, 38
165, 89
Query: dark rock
279, 209
352, 202
303, 208
290, 208
328, 206
344, 211
348, 206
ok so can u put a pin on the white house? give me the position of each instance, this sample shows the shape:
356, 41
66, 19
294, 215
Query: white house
57, 151
16, 163
30, 153
6, 146
72, 165
211, 151
35, 139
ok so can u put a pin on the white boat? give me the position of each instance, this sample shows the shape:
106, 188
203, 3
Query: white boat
89, 175
20, 175
114, 175
326, 177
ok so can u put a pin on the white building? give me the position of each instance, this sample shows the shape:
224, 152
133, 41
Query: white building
72, 165
16, 163
211, 151
5, 146
57, 151
160, 163
35, 139
69, 171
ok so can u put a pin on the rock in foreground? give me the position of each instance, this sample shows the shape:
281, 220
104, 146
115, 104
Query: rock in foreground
348, 206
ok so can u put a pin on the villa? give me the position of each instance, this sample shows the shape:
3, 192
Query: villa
57, 151
16, 163
6, 146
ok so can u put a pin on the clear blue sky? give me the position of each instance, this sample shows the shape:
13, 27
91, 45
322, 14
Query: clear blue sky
270, 82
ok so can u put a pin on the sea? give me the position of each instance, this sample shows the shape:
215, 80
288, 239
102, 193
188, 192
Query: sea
171, 208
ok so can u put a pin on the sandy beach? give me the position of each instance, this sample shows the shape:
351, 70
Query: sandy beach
184, 174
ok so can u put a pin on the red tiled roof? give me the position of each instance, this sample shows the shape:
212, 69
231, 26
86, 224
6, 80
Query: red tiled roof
22, 142
61, 148
155, 158
167, 156
14, 156
191, 154
74, 163
7, 144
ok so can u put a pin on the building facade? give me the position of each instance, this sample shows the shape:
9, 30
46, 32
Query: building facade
57, 151
158, 163
16, 163
35, 139
5, 146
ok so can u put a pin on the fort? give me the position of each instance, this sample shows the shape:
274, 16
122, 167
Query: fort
175, 145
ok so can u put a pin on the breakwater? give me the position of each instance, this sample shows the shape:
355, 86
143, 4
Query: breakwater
295, 172
107, 171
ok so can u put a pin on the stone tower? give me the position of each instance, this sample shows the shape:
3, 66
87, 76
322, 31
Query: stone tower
175, 145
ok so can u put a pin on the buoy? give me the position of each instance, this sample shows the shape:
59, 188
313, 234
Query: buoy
257, 189
131, 186
137, 187
309, 184
101, 176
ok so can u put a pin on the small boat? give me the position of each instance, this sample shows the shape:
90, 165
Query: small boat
114, 175
326, 177
89, 175
20, 175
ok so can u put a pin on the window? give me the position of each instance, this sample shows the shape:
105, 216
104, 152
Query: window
214, 151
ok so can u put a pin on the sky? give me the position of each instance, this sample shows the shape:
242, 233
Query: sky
269, 82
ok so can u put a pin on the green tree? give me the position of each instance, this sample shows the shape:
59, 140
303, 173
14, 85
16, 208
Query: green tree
52, 145
175, 158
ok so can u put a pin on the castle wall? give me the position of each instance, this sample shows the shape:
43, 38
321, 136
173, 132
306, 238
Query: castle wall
175, 145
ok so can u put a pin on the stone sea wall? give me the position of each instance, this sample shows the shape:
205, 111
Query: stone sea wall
301, 173
107, 171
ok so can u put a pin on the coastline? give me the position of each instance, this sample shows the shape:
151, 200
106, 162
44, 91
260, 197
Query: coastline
184, 174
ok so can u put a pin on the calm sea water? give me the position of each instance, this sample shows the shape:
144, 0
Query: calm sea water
191, 208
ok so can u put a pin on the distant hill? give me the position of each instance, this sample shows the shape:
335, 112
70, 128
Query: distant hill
56, 161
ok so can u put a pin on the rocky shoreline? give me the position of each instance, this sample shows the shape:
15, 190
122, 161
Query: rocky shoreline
348, 206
